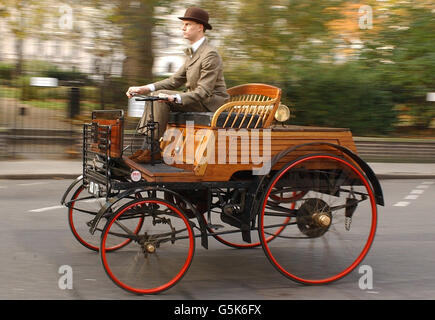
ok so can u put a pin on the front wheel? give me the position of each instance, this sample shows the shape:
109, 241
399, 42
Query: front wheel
82, 209
158, 256
332, 224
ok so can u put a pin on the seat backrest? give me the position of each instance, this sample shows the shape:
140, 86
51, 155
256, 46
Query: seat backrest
251, 105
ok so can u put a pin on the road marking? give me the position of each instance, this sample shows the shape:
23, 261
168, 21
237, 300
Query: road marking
47, 209
402, 204
417, 191
31, 184
62, 207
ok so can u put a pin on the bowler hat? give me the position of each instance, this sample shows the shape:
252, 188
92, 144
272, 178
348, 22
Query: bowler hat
198, 15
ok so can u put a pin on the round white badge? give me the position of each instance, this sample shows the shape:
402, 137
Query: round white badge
136, 176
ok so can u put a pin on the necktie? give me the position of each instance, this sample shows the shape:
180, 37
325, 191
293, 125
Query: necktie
189, 52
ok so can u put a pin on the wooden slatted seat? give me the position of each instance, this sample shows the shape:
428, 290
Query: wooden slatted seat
251, 105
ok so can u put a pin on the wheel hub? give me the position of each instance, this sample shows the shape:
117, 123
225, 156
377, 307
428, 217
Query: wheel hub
147, 244
322, 219
150, 248
314, 217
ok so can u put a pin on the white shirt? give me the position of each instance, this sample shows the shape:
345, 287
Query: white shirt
195, 47
197, 44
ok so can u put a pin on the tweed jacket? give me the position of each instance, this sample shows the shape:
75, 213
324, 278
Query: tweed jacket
202, 75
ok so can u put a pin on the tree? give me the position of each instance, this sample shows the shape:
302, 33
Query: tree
22, 17
294, 44
137, 21
276, 36
403, 52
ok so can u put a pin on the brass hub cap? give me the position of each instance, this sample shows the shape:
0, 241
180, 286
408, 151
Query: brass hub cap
322, 219
150, 248
314, 217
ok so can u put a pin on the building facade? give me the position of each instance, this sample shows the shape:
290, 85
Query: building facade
76, 37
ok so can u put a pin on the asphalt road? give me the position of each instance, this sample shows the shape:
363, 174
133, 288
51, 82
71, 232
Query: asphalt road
36, 243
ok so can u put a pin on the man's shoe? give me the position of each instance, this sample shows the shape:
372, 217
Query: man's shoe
145, 157
136, 154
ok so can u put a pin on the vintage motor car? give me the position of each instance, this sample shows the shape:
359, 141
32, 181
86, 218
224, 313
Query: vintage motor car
239, 176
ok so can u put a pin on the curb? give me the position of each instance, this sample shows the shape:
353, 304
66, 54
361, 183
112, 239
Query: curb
59, 176
43, 176
403, 176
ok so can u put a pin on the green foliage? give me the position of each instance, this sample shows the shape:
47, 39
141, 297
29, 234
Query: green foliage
285, 43
27, 92
59, 93
6, 71
68, 76
289, 44
406, 42
279, 34
113, 92
342, 96
88, 93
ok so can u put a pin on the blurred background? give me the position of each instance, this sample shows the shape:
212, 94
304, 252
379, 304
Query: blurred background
365, 65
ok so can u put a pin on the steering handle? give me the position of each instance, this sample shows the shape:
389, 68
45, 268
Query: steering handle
139, 97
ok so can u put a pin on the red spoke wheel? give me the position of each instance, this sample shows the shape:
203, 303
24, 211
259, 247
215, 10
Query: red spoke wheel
158, 257
83, 208
333, 224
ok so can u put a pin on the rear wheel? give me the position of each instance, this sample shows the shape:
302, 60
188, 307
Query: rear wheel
158, 257
332, 225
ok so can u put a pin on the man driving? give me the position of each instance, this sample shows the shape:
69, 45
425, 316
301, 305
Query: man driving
202, 75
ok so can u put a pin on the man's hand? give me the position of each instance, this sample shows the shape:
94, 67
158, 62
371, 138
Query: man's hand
137, 90
170, 98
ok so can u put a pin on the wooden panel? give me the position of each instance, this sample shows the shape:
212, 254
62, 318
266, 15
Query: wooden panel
280, 140
184, 176
116, 137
